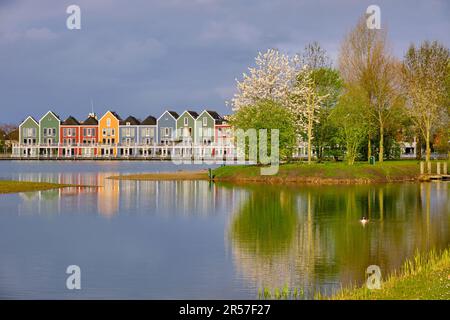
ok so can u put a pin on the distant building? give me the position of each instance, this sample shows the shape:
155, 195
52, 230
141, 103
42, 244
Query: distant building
167, 127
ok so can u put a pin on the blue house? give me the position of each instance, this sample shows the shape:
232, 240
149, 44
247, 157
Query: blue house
167, 127
148, 131
129, 131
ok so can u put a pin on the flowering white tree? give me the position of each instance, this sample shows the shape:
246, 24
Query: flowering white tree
273, 78
305, 103
280, 78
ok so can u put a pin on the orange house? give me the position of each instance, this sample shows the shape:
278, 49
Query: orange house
108, 135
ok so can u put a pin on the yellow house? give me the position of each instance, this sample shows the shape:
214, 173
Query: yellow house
108, 135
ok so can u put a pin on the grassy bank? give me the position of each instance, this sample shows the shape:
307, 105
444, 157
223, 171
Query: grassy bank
425, 277
329, 172
316, 173
7, 186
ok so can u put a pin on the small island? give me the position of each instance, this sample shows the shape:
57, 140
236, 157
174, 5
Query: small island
10, 186
298, 173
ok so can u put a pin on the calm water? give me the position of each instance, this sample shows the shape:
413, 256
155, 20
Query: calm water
202, 240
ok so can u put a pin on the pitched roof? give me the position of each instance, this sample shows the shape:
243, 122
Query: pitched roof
132, 120
50, 111
174, 114
70, 121
149, 121
29, 117
90, 121
193, 114
218, 119
116, 115
214, 114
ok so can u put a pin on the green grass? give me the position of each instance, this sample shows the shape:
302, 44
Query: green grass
327, 172
424, 277
7, 186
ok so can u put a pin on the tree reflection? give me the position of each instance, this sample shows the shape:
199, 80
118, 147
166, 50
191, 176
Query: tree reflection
311, 237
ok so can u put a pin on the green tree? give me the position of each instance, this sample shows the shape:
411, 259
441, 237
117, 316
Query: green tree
329, 84
349, 117
267, 114
425, 74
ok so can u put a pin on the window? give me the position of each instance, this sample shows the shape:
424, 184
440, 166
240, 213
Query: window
112, 132
186, 121
45, 131
205, 121
108, 122
166, 132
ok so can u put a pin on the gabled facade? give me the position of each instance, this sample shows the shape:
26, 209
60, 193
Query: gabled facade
186, 126
129, 131
148, 131
108, 126
205, 126
49, 126
89, 135
29, 131
167, 127
129, 136
70, 137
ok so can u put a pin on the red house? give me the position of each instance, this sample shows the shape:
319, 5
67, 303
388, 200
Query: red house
69, 137
89, 136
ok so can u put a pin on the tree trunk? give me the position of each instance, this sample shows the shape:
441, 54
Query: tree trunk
428, 149
380, 154
419, 146
309, 141
369, 149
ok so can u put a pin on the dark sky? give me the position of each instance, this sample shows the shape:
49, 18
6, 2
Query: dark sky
141, 57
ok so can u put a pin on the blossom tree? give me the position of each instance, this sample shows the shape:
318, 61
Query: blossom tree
273, 78
305, 102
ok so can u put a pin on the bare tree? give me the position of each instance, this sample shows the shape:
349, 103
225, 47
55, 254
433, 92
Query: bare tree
315, 57
425, 74
365, 62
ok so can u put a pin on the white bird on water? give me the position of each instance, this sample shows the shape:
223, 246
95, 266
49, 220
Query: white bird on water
364, 220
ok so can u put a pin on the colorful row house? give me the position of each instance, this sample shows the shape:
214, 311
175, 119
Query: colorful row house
111, 136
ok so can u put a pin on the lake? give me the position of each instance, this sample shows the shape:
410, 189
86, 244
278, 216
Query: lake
202, 240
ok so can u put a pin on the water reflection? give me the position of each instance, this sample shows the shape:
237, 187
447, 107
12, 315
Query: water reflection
188, 198
311, 237
306, 237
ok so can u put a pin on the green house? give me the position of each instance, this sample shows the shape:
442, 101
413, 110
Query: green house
186, 126
205, 126
49, 129
29, 131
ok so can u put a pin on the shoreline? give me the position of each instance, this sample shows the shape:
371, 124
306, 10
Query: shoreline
14, 186
425, 276
298, 174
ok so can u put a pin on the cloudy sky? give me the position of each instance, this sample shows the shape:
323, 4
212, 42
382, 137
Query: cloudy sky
141, 57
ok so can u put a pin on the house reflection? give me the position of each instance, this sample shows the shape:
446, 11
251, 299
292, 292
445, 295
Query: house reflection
95, 193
